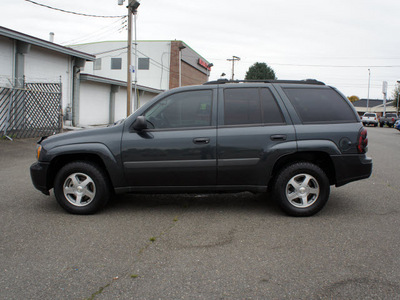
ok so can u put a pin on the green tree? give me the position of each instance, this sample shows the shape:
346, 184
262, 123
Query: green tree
260, 71
353, 98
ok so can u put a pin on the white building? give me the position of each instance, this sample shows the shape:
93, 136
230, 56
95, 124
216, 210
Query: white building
93, 76
160, 64
24, 57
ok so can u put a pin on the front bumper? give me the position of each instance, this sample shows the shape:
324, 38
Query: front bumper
351, 168
39, 175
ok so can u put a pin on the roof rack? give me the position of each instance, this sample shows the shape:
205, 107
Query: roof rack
305, 81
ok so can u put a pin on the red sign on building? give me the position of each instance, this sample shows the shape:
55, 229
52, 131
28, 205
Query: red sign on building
204, 64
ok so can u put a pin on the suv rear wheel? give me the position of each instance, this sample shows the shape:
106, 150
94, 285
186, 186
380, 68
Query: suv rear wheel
81, 188
301, 189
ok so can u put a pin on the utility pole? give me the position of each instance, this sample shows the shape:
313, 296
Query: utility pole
398, 96
132, 9
129, 66
135, 96
233, 59
384, 91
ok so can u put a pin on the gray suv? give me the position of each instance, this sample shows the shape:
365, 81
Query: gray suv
293, 138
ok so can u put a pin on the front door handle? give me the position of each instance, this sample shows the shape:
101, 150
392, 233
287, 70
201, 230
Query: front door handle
201, 140
278, 137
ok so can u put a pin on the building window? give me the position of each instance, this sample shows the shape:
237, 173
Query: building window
116, 63
144, 63
97, 64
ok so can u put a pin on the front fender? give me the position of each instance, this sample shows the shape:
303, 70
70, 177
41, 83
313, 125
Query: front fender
111, 162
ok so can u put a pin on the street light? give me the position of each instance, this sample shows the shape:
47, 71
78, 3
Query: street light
132, 9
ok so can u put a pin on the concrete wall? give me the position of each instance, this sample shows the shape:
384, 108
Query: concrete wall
42, 65
94, 103
6, 59
95, 100
39, 65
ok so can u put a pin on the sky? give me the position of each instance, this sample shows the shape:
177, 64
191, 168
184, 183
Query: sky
344, 43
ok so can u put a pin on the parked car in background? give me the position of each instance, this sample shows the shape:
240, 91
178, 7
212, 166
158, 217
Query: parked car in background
370, 119
388, 120
397, 125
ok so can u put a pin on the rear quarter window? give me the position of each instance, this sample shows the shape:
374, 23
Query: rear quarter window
320, 105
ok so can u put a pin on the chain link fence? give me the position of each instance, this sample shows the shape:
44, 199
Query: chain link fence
30, 110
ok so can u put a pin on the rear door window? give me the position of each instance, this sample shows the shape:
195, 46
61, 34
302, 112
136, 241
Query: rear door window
242, 106
248, 106
320, 105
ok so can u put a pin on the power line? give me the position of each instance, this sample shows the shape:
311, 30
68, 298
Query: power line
335, 66
113, 27
72, 12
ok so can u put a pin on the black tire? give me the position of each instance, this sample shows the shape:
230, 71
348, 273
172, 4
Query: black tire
301, 189
81, 188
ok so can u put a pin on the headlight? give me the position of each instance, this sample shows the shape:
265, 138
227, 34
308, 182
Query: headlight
38, 150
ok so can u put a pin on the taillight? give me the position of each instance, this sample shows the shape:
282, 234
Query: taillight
362, 141
392, 119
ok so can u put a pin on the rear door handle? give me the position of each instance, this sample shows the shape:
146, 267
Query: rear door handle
201, 140
278, 137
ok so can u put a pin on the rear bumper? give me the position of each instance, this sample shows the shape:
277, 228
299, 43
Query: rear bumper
370, 122
351, 168
39, 172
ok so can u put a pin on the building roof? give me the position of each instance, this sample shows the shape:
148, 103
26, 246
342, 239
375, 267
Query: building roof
371, 102
374, 105
99, 79
12, 34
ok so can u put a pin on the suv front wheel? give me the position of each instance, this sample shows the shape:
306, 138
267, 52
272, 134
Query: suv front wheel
301, 189
81, 188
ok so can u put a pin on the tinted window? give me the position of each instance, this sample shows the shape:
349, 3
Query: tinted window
369, 115
314, 105
251, 106
242, 106
271, 111
186, 109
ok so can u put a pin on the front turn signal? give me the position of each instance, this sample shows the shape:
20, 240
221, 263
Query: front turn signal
38, 150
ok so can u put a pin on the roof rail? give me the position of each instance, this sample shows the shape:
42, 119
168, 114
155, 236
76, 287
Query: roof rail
305, 81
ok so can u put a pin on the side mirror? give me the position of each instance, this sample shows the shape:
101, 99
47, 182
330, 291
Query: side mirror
140, 123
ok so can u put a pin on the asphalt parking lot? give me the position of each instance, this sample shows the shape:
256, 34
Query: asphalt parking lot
202, 247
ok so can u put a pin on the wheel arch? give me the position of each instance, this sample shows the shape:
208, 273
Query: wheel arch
319, 158
94, 153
